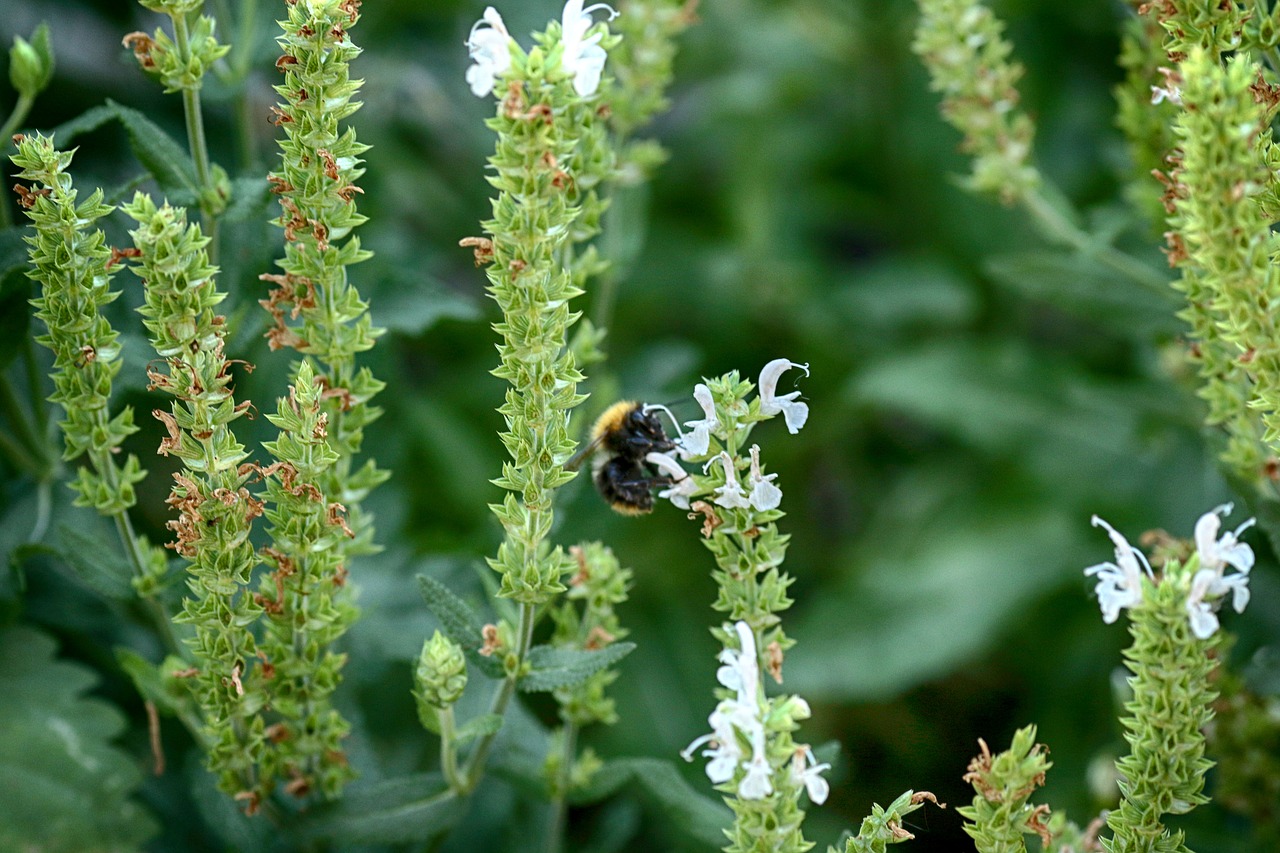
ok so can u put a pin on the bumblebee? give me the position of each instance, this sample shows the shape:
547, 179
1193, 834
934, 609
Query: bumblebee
620, 439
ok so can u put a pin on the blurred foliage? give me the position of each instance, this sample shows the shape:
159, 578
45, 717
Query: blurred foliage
975, 398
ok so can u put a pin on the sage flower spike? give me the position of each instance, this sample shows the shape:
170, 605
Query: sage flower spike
795, 412
1119, 583
583, 58
490, 47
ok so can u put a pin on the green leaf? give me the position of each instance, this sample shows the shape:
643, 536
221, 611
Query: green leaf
97, 561
250, 195
551, 668
63, 785
159, 153
395, 811
688, 811
459, 623
412, 304
1085, 288
487, 724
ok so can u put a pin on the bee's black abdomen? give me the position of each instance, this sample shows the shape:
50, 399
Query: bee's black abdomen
626, 485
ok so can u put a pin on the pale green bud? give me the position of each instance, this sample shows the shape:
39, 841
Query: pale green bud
31, 63
441, 675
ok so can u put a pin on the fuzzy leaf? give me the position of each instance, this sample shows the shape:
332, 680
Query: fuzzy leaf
692, 814
459, 623
63, 785
552, 668
395, 811
488, 724
158, 152
96, 561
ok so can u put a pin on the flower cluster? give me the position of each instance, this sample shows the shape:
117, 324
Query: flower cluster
1121, 584
582, 56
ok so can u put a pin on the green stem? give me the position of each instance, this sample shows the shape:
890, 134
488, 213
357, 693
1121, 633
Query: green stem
18, 455
449, 750
559, 806
475, 763
196, 139
1056, 227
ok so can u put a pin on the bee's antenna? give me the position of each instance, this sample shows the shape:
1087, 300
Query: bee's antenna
658, 407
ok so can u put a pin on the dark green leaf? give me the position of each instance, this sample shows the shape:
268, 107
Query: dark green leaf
397, 811
413, 304
690, 812
157, 151
63, 785
97, 561
551, 668
249, 197
459, 623
15, 290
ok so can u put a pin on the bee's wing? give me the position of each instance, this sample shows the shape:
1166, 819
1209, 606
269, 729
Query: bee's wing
576, 460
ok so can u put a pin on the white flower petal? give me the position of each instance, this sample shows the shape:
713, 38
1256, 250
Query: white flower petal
490, 50
794, 412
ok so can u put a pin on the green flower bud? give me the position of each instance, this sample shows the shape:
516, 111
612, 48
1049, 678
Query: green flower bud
441, 675
31, 63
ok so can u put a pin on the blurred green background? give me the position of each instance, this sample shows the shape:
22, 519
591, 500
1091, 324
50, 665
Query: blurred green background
975, 398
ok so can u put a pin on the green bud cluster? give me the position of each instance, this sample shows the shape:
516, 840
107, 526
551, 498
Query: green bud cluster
1147, 127
180, 62
884, 825
1193, 24
216, 511
440, 677
72, 263
31, 63
1001, 813
961, 43
316, 308
586, 620
1222, 240
642, 66
541, 123
305, 609
1172, 703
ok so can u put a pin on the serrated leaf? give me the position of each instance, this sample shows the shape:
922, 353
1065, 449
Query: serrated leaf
159, 153
686, 810
396, 811
63, 785
551, 668
459, 623
96, 561
486, 724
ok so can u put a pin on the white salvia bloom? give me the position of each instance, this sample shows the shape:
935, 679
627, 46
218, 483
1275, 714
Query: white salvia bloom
730, 495
811, 775
1200, 612
698, 439
793, 410
757, 783
584, 59
725, 752
1119, 583
741, 670
1217, 553
682, 485
489, 46
764, 494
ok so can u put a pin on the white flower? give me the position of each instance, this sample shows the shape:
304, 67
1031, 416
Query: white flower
1211, 583
810, 776
793, 411
764, 494
730, 495
490, 47
584, 59
725, 752
741, 670
1217, 553
757, 784
1119, 583
682, 485
698, 439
